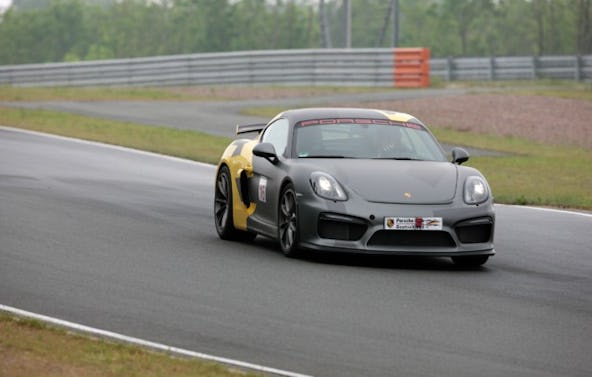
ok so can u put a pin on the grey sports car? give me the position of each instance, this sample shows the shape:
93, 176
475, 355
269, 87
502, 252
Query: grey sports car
353, 180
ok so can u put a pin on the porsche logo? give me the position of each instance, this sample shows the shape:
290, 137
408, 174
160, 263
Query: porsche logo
407, 195
390, 223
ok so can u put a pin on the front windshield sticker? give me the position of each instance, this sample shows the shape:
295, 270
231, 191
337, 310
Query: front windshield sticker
385, 122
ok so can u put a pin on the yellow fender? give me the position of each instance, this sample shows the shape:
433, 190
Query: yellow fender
238, 156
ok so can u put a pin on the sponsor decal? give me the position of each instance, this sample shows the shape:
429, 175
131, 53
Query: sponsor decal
386, 122
413, 223
262, 189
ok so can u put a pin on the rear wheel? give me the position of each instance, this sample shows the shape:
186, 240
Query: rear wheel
288, 222
470, 261
223, 209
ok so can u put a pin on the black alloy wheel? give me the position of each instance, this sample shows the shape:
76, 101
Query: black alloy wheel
288, 221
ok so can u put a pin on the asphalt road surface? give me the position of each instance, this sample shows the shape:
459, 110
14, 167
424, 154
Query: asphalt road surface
125, 241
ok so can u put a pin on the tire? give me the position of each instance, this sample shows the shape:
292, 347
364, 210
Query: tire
223, 209
472, 261
288, 222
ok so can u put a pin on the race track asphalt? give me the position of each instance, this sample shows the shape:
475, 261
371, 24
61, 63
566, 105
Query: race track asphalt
125, 241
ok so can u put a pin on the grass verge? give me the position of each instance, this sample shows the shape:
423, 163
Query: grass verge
15, 93
28, 348
531, 173
181, 143
182, 93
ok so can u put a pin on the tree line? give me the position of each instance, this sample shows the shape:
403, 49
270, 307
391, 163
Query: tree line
36, 31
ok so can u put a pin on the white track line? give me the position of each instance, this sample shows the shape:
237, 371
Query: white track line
144, 343
544, 209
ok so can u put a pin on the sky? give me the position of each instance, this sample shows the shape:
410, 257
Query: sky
4, 3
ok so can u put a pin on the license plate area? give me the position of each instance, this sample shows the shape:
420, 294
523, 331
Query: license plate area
413, 223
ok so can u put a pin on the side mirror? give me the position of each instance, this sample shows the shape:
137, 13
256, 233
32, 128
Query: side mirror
267, 151
459, 155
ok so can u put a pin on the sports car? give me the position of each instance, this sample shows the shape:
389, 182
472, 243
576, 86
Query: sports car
355, 181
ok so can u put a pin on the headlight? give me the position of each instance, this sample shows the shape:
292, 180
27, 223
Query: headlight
476, 190
326, 186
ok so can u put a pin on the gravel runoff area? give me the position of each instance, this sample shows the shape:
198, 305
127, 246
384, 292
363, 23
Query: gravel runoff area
550, 120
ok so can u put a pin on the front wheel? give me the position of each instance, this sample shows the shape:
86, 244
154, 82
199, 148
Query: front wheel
288, 222
471, 260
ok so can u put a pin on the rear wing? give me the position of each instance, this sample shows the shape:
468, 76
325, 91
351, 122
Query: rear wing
245, 128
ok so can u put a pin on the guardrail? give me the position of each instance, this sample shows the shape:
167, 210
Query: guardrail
577, 68
359, 67
315, 67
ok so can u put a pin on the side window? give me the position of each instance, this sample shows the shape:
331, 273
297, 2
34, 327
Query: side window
277, 134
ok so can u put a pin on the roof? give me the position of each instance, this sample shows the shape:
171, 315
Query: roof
298, 115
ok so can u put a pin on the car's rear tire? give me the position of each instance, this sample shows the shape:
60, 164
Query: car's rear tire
288, 222
471, 260
223, 209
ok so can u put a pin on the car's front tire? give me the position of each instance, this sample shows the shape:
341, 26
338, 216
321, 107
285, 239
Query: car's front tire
223, 209
471, 261
288, 222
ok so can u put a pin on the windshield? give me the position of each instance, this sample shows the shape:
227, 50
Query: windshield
365, 138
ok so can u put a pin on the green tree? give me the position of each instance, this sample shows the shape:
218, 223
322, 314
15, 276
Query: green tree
583, 18
218, 17
252, 25
34, 31
292, 26
187, 25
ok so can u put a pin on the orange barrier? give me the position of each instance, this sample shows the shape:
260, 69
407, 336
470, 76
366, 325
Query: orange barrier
411, 67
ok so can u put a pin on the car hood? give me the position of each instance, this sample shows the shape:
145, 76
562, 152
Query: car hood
395, 181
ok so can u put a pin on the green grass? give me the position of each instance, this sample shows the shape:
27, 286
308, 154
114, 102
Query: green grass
181, 143
28, 348
530, 173
264, 111
14, 93
215, 93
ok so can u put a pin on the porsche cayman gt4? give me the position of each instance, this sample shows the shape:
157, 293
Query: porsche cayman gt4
353, 180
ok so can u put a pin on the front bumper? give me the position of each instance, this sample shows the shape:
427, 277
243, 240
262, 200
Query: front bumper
358, 227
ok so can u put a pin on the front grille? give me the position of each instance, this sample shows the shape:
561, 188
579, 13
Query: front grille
421, 238
339, 227
474, 231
